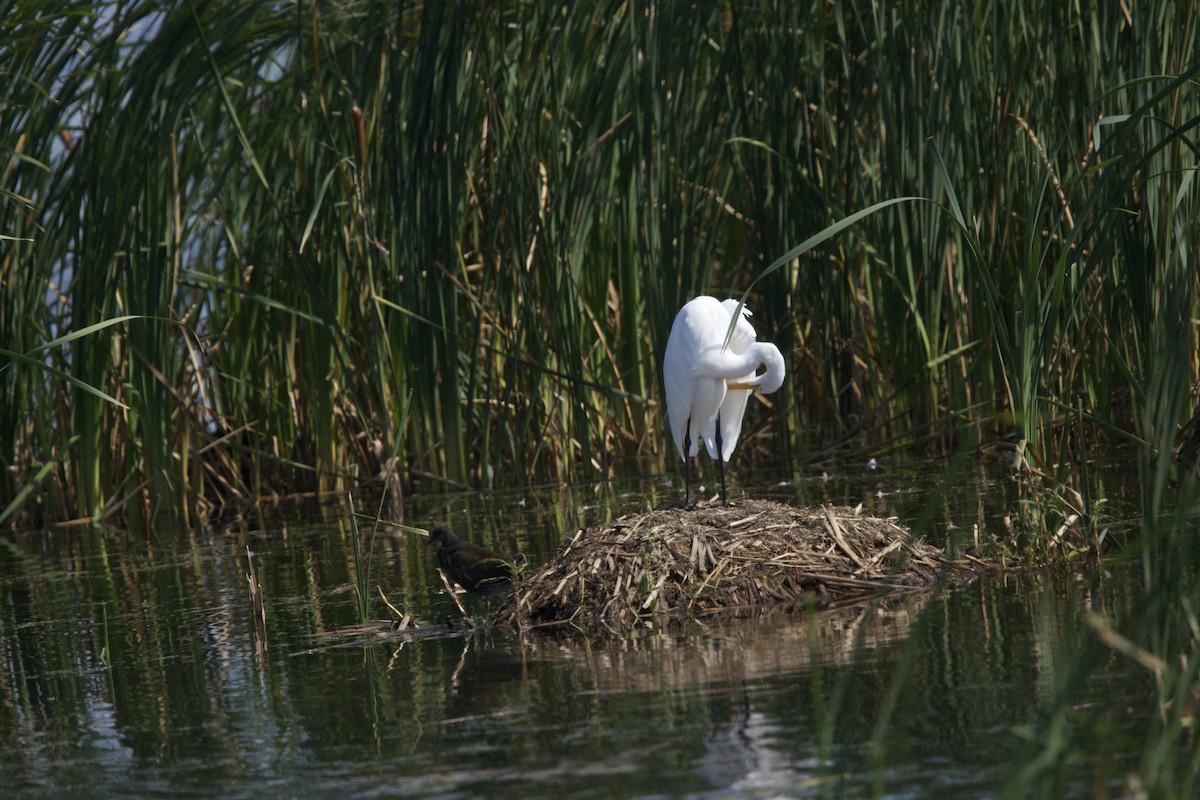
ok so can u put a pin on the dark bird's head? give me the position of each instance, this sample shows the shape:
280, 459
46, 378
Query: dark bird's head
442, 537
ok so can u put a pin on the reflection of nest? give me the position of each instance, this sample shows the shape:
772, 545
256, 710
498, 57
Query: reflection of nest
731, 652
685, 563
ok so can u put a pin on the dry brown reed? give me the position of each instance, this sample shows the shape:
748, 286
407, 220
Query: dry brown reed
674, 564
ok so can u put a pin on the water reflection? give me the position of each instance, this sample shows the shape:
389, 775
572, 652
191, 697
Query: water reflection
128, 666
733, 651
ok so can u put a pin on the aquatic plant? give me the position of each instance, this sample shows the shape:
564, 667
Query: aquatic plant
445, 243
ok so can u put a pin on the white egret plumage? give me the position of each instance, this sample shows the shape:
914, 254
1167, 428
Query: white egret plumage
708, 381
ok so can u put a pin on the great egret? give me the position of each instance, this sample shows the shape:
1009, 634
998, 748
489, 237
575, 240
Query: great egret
708, 382
471, 566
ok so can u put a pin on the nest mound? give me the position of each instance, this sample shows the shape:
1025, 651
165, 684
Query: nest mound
685, 563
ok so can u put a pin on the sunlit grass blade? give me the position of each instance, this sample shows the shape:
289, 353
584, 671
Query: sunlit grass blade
21, 358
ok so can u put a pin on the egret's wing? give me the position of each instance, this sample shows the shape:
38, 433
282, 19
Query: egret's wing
679, 375
707, 396
732, 411
677, 381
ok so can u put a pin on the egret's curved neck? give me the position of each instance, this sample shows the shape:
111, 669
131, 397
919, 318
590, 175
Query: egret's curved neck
772, 359
734, 367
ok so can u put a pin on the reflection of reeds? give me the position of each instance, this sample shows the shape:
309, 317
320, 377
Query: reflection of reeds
257, 610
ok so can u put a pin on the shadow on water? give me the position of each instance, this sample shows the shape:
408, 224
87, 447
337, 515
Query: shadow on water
129, 667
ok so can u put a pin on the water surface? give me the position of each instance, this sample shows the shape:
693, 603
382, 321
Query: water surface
128, 667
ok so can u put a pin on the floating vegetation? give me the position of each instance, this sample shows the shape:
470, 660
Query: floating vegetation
676, 563
383, 631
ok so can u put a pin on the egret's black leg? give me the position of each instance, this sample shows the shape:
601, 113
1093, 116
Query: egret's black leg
721, 464
687, 464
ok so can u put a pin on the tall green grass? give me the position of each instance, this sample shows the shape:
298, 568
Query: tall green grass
495, 210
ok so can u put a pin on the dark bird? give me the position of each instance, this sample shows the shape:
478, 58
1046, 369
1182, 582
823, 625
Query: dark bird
471, 566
